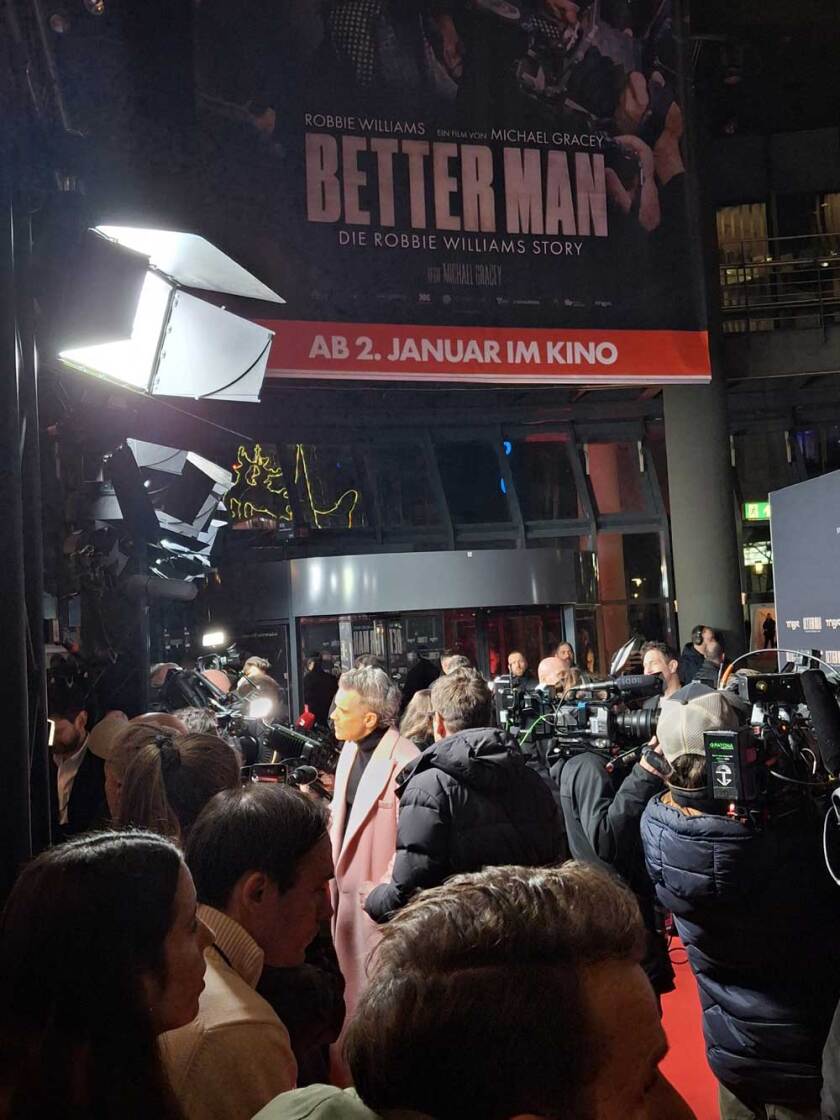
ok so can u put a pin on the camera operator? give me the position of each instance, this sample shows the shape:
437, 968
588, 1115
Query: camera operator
520, 676
256, 680
756, 911
658, 659
602, 809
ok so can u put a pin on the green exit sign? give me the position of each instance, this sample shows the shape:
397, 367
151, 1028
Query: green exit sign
756, 511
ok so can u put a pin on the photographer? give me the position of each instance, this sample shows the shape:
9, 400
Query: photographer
256, 681
520, 676
658, 659
755, 909
602, 809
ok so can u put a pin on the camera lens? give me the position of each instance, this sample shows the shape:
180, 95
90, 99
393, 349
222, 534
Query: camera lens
637, 726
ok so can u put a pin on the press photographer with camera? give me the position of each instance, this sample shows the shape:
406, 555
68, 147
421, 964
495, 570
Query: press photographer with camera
520, 675
658, 659
752, 901
257, 681
602, 805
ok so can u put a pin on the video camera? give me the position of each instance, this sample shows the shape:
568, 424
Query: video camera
788, 750
596, 716
290, 756
587, 717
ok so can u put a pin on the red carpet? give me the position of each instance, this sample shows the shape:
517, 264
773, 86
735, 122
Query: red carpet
686, 1067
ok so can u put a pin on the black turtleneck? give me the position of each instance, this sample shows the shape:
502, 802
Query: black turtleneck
363, 754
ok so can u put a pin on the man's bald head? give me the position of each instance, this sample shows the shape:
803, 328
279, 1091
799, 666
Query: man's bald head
550, 671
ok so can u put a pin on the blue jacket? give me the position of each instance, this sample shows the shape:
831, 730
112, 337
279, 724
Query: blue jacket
758, 915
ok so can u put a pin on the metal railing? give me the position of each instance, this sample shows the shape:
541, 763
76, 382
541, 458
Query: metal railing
780, 283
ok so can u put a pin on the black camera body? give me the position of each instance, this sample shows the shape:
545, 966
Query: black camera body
588, 717
598, 715
784, 756
520, 710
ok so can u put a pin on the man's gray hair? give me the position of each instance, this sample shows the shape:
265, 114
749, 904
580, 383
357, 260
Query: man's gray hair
377, 691
463, 700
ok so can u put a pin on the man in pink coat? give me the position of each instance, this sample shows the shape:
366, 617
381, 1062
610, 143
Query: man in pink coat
364, 820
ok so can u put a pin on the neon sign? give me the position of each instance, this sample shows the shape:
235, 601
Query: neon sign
260, 491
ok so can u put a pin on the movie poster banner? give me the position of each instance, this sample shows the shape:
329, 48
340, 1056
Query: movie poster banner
468, 190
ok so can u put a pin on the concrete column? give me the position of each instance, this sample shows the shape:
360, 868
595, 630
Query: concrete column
603, 471
706, 567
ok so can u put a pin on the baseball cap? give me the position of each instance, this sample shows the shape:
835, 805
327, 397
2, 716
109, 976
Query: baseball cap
104, 735
683, 722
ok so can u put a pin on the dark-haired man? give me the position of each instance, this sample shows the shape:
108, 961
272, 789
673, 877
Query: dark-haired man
79, 775
658, 659
695, 652
261, 860
521, 677
469, 801
552, 951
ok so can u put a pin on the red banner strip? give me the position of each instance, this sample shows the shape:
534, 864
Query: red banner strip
382, 351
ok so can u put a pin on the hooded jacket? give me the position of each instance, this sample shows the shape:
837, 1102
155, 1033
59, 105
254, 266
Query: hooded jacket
757, 914
469, 801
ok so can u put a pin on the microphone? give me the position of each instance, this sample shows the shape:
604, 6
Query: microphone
304, 775
650, 684
825, 716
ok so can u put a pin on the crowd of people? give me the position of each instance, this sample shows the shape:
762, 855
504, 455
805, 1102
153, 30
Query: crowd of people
458, 933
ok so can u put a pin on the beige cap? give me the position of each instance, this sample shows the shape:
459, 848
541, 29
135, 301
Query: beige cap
103, 736
682, 723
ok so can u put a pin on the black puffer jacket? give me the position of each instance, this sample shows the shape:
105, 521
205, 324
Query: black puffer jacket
758, 916
469, 801
691, 662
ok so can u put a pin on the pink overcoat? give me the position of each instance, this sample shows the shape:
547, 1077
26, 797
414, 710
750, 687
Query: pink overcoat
363, 853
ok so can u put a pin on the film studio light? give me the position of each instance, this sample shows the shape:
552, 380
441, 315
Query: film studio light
178, 344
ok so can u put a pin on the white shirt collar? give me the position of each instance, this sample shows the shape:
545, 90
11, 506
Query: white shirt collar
68, 768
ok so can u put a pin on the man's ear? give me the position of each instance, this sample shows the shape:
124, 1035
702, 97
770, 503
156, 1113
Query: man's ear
673, 666
81, 721
371, 720
251, 888
438, 726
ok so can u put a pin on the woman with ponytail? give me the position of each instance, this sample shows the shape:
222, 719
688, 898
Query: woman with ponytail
170, 780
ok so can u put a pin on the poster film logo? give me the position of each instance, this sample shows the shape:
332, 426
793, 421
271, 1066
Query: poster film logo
492, 190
